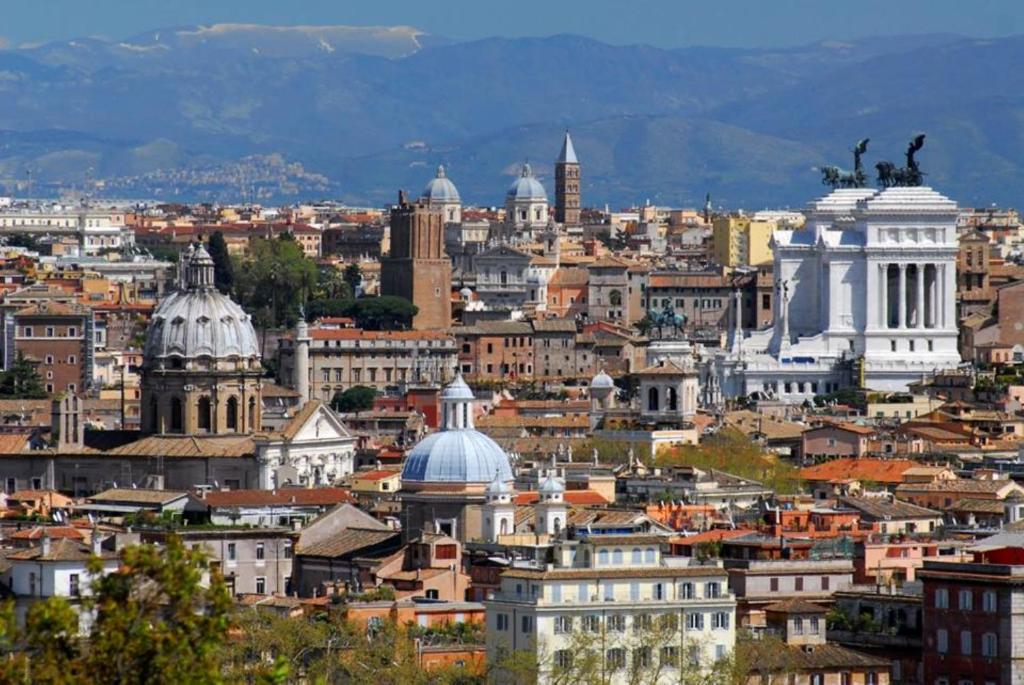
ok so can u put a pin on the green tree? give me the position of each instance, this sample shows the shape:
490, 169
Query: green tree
223, 269
354, 277
274, 279
372, 313
356, 398
21, 381
161, 618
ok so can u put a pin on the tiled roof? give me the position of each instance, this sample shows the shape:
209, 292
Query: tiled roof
882, 509
179, 446
978, 506
795, 606
793, 658
375, 475
359, 334
555, 326
876, 470
960, 485
612, 573
137, 496
55, 532
260, 498
350, 541
567, 277
61, 549
574, 497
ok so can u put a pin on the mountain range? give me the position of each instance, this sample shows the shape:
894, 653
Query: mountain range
231, 111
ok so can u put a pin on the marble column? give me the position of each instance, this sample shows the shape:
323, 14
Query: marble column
885, 294
902, 303
919, 272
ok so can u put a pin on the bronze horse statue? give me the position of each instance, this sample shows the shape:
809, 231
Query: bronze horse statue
890, 175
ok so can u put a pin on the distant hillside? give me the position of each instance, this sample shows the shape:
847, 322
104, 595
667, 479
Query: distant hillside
359, 112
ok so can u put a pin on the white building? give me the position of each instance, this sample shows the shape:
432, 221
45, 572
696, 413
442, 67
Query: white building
526, 204
98, 230
866, 294
613, 608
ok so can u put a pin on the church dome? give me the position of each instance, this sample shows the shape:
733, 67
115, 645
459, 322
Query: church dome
602, 380
458, 453
199, 321
440, 189
456, 456
551, 486
527, 187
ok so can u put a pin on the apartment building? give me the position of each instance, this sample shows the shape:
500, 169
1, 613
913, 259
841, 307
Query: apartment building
613, 609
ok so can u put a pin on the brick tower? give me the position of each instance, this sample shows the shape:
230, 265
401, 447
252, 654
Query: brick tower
418, 268
567, 185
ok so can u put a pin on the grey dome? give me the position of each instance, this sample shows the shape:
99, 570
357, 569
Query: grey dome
456, 456
499, 486
551, 486
457, 390
602, 380
440, 189
200, 321
526, 187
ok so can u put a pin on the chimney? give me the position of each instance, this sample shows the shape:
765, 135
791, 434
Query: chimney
46, 543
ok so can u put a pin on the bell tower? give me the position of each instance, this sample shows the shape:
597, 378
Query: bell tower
418, 268
567, 185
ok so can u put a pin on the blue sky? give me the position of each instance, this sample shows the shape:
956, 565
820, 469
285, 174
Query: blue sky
664, 23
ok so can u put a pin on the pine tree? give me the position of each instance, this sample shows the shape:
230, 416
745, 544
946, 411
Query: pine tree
223, 270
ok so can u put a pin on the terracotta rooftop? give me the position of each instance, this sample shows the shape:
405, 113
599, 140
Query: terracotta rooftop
574, 497
795, 606
876, 470
296, 496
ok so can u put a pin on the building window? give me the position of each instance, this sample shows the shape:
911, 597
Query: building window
988, 601
670, 657
892, 345
501, 622
686, 590
798, 626
73, 585
720, 620
592, 624
49, 332
261, 585
941, 598
642, 657
941, 641
615, 659
49, 359
814, 625
176, 422
616, 623
203, 419
966, 600
773, 584
712, 591
989, 645
27, 332
563, 659
563, 624
824, 582
232, 551
260, 551
695, 621
798, 584
37, 483
232, 413
965, 642
642, 623
527, 624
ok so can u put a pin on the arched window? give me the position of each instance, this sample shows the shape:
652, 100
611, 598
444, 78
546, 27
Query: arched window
232, 418
602, 557
649, 555
652, 399
617, 557
504, 277
504, 526
672, 400
637, 557
615, 298
203, 419
557, 526
176, 422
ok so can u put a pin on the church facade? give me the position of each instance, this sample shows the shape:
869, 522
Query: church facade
865, 298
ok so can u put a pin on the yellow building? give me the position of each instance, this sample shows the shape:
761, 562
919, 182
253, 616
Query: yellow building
739, 240
376, 482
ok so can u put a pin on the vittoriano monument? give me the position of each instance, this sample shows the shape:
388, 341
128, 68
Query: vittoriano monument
890, 175
835, 177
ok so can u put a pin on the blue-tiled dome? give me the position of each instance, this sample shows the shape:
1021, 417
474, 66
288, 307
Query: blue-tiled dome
526, 187
456, 456
440, 189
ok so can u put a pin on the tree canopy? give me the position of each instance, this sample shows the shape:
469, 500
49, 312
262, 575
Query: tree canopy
274, 280
354, 277
383, 313
21, 381
731, 451
223, 269
356, 398
161, 618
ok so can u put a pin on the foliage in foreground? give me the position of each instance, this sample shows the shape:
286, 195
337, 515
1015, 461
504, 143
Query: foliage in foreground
163, 618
